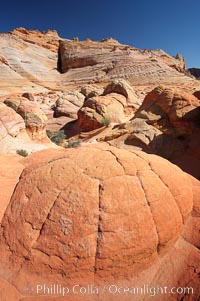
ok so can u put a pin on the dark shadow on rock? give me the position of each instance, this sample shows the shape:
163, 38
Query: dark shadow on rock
71, 129
195, 72
193, 116
162, 145
59, 63
184, 151
137, 143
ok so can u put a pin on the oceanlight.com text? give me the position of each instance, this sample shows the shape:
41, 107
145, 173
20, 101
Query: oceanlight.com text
111, 289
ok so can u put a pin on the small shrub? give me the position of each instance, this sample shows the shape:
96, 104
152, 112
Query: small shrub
56, 137
105, 121
22, 152
74, 143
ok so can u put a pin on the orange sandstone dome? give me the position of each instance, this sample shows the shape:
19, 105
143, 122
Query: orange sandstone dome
95, 212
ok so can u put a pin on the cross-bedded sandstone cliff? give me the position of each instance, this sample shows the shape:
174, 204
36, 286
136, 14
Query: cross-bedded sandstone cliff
30, 62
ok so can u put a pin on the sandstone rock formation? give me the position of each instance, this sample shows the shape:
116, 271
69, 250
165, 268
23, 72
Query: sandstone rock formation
92, 61
26, 65
10, 122
121, 219
35, 120
174, 111
47, 100
29, 96
11, 168
68, 104
97, 214
123, 87
166, 124
30, 63
176, 115
13, 131
182, 64
96, 111
177, 62
116, 103
91, 90
47, 39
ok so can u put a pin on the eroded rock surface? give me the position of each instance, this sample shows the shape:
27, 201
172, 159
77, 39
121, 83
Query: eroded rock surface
11, 123
116, 103
120, 219
34, 118
166, 124
174, 111
122, 87
84, 61
100, 109
30, 63
68, 104
14, 129
97, 214
48, 39
11, 168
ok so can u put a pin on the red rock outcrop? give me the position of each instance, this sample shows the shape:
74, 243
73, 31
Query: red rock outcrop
97, 110
116, 103
13, 131
68, 104
10, 122
91, 90
35, 120
176, 115
29, 63
10, 171
97, 214
177, 62
92, 61
166, 124
122, 87
174, 111
28, 66
119, 219
47, 39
